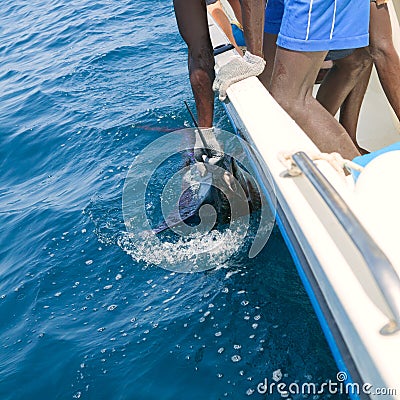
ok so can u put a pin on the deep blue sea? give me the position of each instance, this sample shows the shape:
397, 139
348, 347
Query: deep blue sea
84, 87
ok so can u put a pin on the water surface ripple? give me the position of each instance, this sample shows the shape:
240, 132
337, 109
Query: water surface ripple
84, 86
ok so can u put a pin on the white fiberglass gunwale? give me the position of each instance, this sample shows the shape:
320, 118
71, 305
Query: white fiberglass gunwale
346, 284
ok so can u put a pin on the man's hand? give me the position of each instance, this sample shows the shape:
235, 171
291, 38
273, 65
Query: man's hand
212, 154
237, 69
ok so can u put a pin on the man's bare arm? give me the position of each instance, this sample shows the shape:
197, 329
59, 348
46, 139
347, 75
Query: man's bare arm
253, 12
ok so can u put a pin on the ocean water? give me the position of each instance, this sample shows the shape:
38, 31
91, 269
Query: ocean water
84, 87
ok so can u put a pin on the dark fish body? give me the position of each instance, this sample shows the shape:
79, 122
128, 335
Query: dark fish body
230, 190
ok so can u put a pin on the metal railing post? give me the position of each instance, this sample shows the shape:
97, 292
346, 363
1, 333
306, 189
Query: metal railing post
378, 264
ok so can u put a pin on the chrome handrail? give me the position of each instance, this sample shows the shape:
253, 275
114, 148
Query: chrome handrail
379, 265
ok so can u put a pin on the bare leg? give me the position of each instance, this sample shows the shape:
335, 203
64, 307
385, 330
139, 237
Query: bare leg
292, 81
350, 109
269, 47
384, 54
191, 16
387, 63
221, 19
253, 25
237, 9
342, 78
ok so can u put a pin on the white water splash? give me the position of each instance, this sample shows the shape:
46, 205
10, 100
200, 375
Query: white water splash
188, 254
